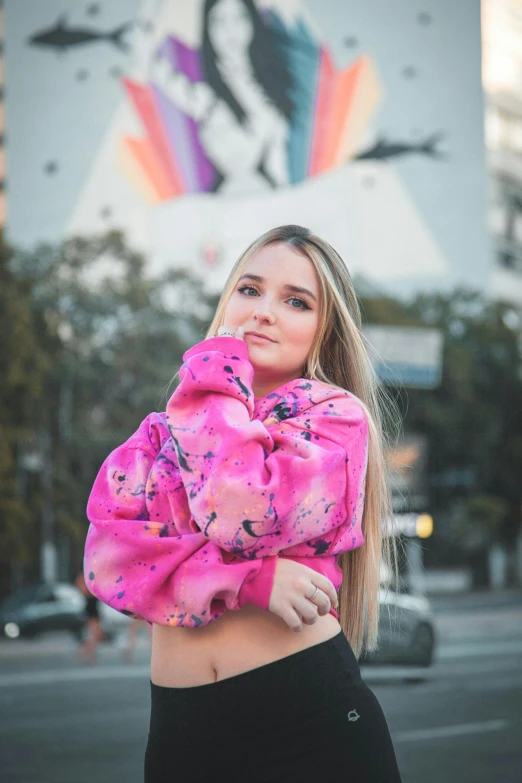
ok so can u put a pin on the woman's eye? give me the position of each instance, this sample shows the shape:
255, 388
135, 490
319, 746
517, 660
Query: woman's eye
245, 287
301, 302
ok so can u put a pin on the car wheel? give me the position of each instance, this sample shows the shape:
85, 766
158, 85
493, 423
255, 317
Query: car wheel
11, 630
422, 646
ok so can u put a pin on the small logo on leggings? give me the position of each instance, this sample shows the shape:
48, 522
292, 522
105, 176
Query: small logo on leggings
353, 715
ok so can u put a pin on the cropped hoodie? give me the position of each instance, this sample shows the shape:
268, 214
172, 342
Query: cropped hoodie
189, 516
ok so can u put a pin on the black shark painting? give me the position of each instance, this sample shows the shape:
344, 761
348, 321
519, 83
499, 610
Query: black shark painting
61, 36
384, 149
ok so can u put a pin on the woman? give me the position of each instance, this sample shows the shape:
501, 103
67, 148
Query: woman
243, 107
229, 522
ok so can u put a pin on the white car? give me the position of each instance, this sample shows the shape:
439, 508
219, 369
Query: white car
406, 630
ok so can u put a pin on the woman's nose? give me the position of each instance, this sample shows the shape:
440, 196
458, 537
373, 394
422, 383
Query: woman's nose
263, 314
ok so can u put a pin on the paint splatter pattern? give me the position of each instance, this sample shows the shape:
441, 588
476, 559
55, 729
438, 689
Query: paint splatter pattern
187, 514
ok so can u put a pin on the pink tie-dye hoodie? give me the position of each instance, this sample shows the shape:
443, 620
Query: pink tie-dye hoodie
189, 516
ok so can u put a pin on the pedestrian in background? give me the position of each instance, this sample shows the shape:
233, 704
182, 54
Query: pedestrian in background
94, 633
231, 521
134, 626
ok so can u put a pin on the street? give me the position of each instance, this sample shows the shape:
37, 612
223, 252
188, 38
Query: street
460, 720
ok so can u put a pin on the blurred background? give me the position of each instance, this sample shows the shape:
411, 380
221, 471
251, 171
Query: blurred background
143, 145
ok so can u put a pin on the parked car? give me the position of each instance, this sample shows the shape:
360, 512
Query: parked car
40, 608
406, 630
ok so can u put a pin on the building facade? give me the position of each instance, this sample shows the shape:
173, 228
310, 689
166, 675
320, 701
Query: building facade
502, 78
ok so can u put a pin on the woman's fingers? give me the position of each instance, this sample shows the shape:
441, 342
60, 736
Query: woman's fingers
294, 596
306, 610
324, 585
292, 619
321, 601
238, 332
310, 610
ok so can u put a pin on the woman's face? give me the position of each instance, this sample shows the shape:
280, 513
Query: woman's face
230, 27
265, 300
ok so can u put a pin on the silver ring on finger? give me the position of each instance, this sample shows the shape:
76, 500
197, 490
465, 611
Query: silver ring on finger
311, 598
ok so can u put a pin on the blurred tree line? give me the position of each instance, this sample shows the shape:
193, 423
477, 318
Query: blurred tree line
472, 420
89, 344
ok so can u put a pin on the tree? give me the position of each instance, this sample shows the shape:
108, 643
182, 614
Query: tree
473, 420
22, 369
108, 340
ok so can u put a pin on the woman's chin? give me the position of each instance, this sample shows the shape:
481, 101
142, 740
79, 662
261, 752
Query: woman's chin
265, 369
261, 355
260, 366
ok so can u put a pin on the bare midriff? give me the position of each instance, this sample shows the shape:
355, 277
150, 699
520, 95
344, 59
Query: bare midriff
235, 643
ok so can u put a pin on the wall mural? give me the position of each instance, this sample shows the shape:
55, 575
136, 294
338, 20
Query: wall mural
258, 105
195, 125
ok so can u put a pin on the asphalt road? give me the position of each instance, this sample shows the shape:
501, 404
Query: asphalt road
460, 720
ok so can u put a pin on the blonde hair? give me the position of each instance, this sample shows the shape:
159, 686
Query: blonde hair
339, 357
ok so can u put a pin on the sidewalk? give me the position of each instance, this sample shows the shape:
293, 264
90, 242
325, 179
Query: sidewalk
62, 644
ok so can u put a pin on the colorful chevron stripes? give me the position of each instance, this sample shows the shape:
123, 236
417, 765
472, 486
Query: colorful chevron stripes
332, 110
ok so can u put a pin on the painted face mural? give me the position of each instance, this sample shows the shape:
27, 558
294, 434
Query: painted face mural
192, 126
257, 106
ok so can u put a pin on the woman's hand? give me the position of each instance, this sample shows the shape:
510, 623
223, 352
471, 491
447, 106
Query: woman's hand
294, 585
227, 330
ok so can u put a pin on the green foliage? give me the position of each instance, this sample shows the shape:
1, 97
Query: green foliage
473, 420
89, 344
478, 521
22, 369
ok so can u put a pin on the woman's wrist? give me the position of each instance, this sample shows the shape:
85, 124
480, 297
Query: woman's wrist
257, 590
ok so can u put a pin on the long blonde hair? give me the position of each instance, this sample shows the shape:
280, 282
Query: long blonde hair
339, 357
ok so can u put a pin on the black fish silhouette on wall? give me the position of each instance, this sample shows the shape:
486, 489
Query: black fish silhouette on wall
62, 37
385, 149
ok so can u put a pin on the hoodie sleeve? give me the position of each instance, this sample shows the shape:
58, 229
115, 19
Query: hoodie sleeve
257, 488
140, 568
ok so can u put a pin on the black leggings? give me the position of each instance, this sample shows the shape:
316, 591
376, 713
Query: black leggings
305, 718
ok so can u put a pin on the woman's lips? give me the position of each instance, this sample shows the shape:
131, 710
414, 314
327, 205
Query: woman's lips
256, 338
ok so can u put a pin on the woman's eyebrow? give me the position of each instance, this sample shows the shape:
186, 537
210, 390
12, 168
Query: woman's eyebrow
297, 289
